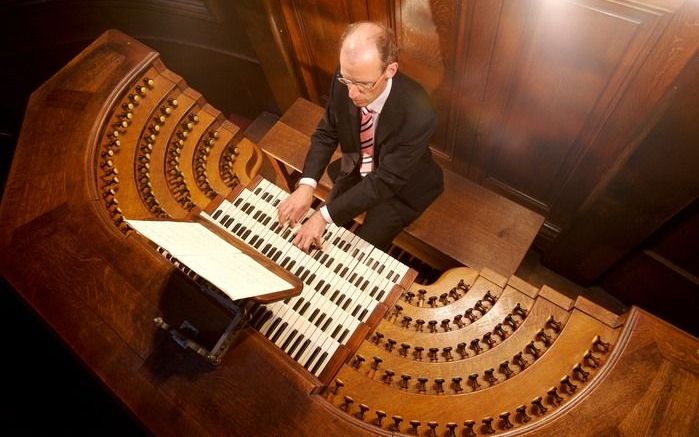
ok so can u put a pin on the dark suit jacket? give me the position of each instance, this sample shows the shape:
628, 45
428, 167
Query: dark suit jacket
403, 164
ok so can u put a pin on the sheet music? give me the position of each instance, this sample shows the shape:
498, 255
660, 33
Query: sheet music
211, 257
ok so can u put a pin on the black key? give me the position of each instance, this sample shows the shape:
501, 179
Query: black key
356, 310
289, 339
228, 223
320, 361
277, 334
326, 324
216, 214
298, 341
259, 243
319, 285
339, 301
344, 272
300, 352
361, 316
237, 201
336, 331
235, 228
253, 240
312, 357
267, 247
332, 298
273, 326
320, 320
347, 303
256, 314
298, 303
314, 314
344, 334
264, 319
305, 307
358, 281
380, 296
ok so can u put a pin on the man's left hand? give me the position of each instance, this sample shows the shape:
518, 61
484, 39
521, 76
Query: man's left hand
311, 233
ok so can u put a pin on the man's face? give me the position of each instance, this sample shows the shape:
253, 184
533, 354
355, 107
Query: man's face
365, 70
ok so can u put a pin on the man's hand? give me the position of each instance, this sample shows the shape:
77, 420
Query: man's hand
295, 206
311, 233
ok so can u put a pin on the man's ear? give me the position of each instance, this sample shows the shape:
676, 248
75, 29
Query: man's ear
392, 69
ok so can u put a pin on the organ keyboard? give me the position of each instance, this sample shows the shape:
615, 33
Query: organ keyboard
475, 353
347, 282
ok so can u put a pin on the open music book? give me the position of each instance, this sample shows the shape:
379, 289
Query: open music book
227, 267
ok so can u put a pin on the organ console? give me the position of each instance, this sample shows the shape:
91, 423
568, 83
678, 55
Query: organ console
364, 349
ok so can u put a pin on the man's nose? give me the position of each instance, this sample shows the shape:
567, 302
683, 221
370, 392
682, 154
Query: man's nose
353, 91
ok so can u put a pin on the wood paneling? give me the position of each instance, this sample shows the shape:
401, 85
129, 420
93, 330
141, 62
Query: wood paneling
555, 69
653, 184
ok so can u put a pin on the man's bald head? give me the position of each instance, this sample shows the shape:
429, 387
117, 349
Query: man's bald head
363, 41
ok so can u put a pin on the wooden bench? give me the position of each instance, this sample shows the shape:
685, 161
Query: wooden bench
467, 225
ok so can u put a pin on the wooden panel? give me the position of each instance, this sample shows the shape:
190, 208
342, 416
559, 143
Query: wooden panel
316, 27
426, 34
656, 182
555, 68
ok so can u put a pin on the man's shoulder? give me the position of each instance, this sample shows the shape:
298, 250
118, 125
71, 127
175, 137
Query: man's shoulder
411, 95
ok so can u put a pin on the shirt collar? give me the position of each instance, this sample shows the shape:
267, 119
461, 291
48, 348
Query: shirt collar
377, 104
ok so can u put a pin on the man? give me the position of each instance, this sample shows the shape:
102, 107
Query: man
383, 121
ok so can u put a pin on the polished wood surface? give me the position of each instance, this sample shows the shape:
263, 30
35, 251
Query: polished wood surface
477, 227
533, 361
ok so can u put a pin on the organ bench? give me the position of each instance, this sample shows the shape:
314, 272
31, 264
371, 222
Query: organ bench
116, 135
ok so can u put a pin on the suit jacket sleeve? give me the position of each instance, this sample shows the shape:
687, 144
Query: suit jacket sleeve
323, 141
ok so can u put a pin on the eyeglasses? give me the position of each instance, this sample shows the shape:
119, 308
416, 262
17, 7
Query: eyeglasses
363, 87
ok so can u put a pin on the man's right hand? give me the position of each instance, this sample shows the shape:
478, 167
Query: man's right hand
295, 206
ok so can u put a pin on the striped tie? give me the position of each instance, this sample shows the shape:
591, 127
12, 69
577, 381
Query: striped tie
366, 141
